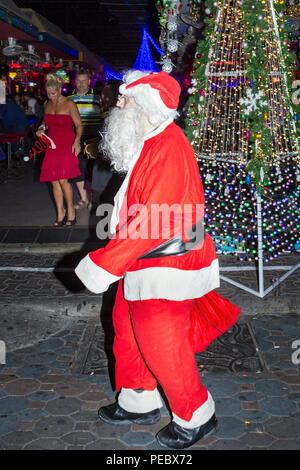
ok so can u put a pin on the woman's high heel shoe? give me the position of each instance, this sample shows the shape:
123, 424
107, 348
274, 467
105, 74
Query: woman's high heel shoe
69, 223
60, 223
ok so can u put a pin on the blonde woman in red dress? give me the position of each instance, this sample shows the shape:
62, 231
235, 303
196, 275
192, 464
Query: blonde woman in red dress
61, 163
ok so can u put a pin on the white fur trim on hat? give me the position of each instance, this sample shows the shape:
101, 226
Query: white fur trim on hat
142, 92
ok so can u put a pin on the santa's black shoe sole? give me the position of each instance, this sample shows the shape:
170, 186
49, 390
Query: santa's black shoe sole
147, 420
209, 428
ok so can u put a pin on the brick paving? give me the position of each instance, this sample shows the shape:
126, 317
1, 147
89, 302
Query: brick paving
45, 285
63, 284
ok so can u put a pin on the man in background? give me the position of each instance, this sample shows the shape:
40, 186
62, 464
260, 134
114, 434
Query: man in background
102, 170
89, 108
31, 102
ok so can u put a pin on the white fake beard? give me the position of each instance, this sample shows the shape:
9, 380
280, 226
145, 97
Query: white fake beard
122, 136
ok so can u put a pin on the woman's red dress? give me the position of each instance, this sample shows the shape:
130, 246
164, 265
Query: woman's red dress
60, 163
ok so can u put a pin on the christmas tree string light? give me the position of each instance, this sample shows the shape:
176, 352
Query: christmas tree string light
242, 126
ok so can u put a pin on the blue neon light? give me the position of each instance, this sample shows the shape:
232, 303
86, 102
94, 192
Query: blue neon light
144, 60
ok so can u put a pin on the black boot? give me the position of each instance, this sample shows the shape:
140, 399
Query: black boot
177, 437
114, 414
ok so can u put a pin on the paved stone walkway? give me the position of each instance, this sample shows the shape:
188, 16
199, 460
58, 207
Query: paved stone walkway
43, 406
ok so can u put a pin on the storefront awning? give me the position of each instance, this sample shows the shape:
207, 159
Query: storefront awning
26, 28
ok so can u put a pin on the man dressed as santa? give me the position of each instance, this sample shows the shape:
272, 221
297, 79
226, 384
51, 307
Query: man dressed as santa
166, 308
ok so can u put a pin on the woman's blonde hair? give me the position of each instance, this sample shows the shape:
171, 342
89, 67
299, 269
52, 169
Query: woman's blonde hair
54, 81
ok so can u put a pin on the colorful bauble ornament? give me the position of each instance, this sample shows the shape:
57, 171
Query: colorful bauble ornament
247, 135
265, 116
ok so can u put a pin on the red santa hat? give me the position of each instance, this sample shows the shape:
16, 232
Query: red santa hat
163, 89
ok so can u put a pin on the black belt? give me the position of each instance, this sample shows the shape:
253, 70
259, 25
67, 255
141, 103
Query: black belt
176, 247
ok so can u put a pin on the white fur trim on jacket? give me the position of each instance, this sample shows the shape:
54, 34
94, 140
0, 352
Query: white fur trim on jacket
171, 283
142, 402
95, 278
200, 416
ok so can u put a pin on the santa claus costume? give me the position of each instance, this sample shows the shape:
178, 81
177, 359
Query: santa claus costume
166, 308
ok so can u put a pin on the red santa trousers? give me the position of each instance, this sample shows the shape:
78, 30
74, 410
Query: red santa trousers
156, 340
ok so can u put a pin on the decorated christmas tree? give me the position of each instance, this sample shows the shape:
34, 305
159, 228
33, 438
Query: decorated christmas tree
242, 123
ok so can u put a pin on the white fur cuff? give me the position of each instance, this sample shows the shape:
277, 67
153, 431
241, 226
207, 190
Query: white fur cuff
200, 416
95, 278
147, 400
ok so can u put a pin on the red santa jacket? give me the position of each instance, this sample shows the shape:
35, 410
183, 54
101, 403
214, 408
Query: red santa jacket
163, 180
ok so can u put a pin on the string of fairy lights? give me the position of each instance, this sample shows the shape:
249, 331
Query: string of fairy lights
240, 123
221, 136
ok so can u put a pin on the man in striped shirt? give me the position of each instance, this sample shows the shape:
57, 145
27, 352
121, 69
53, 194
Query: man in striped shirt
89, 108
